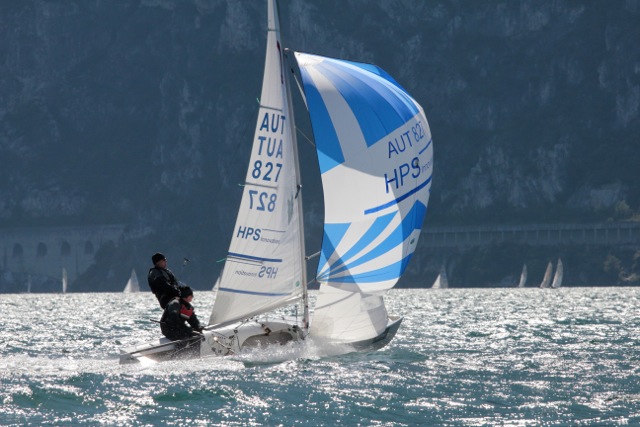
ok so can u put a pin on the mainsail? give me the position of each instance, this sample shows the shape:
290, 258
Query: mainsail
441, 282
523, 277
557, 278
376, 159
132, 284
65, 281
264, 268
546, 280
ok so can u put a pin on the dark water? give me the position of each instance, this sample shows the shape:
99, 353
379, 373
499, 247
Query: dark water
462, 357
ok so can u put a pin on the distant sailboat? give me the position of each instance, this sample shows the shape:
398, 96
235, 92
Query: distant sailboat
64, 280
29, 283
441, 281
216, 285
547, 276
132, 283
523, 277
557, 279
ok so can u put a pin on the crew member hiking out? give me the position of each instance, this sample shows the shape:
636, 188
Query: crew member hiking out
162, 282
179, 320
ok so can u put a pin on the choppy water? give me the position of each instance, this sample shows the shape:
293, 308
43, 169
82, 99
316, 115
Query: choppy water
462, 357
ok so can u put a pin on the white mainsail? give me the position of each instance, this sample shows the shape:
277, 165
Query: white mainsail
264, 268
523, 277
546, 280
64, 280
132, 284
376, 158
557, 279
441, 282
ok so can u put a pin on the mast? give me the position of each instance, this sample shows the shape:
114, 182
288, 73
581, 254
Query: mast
292, 130
305, 295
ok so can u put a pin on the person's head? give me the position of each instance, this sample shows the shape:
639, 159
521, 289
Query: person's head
159, 260
186, 293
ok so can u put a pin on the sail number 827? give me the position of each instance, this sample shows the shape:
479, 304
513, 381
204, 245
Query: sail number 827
261, 200
266, 171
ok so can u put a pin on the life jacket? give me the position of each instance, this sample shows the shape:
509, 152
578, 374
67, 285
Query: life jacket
186, 311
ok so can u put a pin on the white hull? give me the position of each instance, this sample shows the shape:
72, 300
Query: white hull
381, 340
235, 338
223, 341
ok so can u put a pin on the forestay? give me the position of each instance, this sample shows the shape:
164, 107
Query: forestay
375, 155
264, 266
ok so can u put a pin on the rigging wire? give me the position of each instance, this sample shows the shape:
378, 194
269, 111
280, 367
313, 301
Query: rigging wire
305, 137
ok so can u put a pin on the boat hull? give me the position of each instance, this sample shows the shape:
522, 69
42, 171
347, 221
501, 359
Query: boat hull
381, 340
223, 341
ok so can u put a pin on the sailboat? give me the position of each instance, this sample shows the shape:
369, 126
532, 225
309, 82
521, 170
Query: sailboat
64, 280
375, 155
546, 280
216, 285
557, 278
132, 284
441, 281
523, 277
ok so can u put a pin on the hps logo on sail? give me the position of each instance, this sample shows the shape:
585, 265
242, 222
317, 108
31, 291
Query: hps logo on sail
413, 169
255, 234
264, 273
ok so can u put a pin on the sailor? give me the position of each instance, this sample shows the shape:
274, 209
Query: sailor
162, 282
179, 320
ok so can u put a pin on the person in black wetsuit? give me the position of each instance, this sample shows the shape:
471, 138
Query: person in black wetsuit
179, 320
162, 282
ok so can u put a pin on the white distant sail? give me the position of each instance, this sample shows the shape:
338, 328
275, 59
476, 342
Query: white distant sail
546, 280
441, 282
523, 277
64, 281
217, 283
557, 279
132, 283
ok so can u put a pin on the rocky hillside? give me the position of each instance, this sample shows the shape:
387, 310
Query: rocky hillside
141, 111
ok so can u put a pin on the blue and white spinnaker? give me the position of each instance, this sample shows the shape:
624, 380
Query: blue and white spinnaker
376, 158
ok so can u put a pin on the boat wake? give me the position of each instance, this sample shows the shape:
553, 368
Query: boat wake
55, 366
296, 350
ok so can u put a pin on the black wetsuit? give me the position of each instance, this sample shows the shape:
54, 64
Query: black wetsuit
177, 314
163, 284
